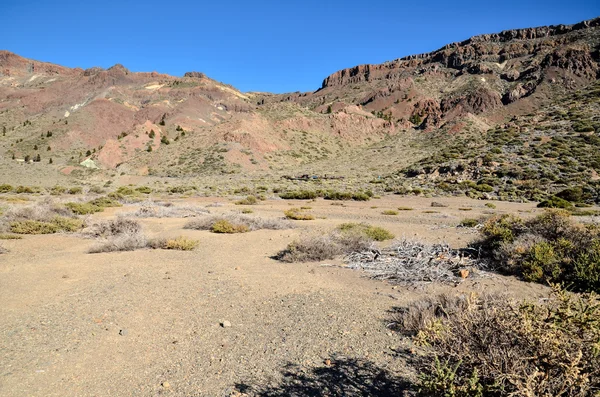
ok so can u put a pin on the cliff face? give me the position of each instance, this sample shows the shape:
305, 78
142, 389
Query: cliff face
470, 55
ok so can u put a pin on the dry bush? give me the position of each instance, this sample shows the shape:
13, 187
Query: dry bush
410, 262
120, 242
152, 209
324, 247
489, 346
45, 217
311, 249
113, 227
389, 212
249, 222
119, 234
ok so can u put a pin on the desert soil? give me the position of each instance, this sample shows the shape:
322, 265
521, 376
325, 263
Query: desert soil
150, 322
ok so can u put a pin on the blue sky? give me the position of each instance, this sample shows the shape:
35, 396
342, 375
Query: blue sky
261, 45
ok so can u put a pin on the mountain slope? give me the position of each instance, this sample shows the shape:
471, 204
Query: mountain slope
365, 122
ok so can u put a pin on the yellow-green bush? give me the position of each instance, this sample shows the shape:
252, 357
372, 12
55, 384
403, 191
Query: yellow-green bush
224, 226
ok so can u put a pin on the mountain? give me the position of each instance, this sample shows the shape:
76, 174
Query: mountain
421, 121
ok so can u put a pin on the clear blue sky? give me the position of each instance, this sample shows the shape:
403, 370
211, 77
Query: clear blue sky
261, 45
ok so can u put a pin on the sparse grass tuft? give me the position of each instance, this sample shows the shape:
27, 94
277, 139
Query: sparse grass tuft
389, 212
405, 209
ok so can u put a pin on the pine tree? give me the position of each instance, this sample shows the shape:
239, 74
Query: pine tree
38, 158
152, 134
88, 153
50, 161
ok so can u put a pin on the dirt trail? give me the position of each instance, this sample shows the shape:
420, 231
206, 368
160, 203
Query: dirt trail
148, 322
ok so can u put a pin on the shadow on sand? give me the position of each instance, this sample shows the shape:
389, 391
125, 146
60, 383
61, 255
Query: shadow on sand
346, 377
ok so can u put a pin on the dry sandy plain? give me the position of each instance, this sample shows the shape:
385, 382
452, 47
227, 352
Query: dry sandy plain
149, 322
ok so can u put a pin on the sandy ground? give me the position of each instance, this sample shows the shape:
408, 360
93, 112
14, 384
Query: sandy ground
148, 322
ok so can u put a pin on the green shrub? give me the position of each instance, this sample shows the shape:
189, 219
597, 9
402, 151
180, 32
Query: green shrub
83, 208
389, 212
57, 224
5, 188
555, 202
375, 233
180, 243
490, 205
75, 190
58, 190
550, 248
299, 195
298, 215
250, 200
105, 202
224, 226
469, 222
404, 209
26, 190
144, 189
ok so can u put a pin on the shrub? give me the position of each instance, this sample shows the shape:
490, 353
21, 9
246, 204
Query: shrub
58, 190
83, 208
389, 212
250, 200
180, 243
58, 224
375, 233
324, 247
548, 248
298, 215
251, 223
438, 204
247, 211
404, 209
121, 242
26, 190
5, 188
489, 346
75, 190
299, 195
490, 205
119, 234
555, 202
144, 189
225, 226
114, 227
105, 202
468, 222
310, 249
